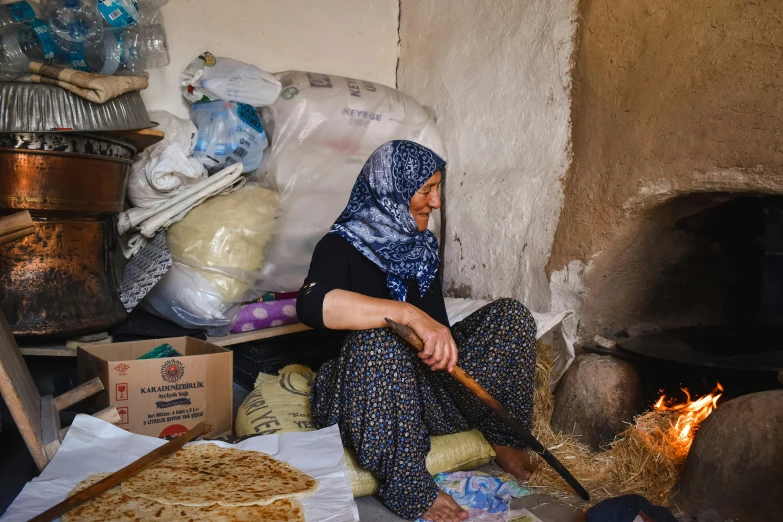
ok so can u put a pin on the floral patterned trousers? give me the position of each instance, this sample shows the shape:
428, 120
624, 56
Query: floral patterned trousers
387, 402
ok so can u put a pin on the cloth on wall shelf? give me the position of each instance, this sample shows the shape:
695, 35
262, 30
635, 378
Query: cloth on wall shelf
93, 87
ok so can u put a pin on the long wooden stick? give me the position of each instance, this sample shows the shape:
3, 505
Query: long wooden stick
151, 458
463, 378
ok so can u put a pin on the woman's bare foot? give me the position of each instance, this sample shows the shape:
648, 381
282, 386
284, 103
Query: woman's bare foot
444, 509
519, 463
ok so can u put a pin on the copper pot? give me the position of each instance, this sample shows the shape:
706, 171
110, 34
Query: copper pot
63, 280
46, 180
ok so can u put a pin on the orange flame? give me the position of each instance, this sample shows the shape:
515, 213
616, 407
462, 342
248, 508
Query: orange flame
692, 412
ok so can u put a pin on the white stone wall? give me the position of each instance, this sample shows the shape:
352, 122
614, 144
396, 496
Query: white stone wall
497, 75
356, 38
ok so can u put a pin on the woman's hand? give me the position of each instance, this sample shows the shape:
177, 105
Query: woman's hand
344, 310
440, 350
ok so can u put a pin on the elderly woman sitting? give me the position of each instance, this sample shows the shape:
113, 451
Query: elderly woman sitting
377, 261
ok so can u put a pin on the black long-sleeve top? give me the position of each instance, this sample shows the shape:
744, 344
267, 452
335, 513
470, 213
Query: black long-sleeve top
336, 264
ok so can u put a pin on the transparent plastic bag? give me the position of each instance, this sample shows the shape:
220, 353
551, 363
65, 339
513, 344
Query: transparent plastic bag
186, 297
217, 251
210, 78
228, 133
323, 128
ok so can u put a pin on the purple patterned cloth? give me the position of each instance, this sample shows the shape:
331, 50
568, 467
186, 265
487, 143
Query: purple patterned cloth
255, 316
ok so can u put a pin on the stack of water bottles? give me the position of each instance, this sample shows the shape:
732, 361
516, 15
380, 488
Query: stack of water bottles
121, 37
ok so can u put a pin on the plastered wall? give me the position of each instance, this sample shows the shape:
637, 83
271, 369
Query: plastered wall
356, 38
497, 75
670, 98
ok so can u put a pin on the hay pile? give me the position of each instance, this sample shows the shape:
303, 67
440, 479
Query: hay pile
645, 459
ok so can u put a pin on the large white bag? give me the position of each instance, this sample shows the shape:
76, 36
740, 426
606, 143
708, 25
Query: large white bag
323, 128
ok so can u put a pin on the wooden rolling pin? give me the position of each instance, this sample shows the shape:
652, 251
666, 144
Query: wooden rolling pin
466, 380
151, 458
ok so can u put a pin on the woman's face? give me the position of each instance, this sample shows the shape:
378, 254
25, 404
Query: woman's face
426, 199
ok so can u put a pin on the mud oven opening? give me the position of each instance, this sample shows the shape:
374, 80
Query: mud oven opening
690, 288
697, 279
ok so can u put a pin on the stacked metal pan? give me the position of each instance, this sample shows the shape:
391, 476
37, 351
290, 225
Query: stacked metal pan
59, 160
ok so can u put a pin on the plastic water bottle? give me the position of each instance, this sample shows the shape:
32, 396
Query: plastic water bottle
119, 13
102, 57
22, 43
143, 47
149, 11
18, 12
74, 21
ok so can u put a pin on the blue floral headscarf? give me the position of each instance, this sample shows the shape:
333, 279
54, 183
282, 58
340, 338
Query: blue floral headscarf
378, 220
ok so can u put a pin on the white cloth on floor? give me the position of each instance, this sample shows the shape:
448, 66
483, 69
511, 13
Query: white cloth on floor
143, 223
167, 168
546, 322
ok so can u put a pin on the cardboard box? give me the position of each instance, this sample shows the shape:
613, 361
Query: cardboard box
159, 397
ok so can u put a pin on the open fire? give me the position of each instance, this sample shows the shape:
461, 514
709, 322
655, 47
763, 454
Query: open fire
692, 412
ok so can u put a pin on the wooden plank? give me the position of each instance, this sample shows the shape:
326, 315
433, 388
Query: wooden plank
255, 335
50, 426
81, 392
21, 396
141, 139
48, 350
16, 226
110, 415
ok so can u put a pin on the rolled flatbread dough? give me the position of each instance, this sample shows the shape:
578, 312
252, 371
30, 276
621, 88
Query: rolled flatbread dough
207, 474
115, 506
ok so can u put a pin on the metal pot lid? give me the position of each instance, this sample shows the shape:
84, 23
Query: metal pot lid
68, 142
31, 107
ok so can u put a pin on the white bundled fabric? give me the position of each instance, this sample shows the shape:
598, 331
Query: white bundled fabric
167, 168
546, 323
143, 223
210, 78
217, 251
323, 128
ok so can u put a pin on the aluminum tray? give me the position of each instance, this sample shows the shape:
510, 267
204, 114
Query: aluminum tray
30, 107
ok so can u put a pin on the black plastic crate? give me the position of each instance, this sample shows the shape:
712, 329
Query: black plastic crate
311, 348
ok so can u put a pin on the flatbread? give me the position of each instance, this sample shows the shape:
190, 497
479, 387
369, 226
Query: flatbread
207, 474
115, 506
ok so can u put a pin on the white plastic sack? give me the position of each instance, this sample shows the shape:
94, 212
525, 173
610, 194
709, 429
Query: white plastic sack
323, 128
209, 78
228, 133
217, 251
162, 171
